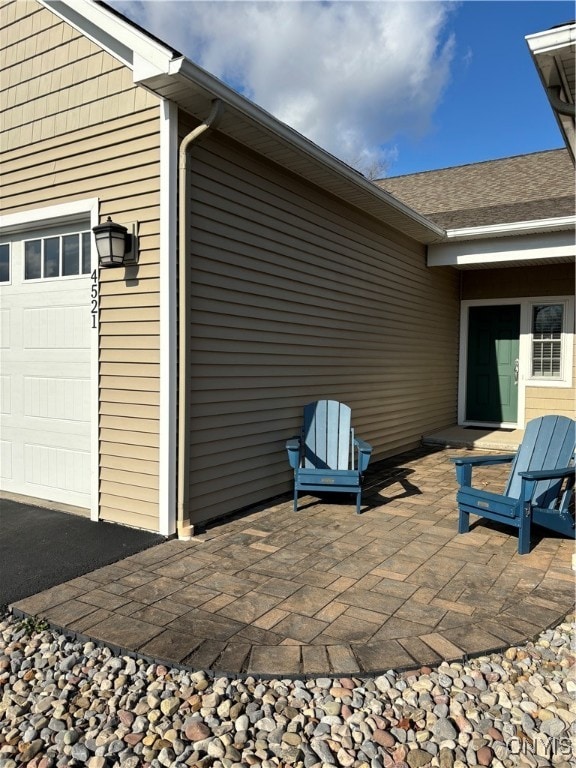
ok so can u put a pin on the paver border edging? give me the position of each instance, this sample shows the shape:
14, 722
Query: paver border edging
214, 673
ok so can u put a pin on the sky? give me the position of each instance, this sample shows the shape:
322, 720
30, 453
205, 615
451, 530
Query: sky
389, 87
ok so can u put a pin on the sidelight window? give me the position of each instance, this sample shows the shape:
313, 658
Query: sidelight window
547, 327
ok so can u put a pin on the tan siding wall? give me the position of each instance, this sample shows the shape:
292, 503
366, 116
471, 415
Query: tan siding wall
560, 400
74, 126
549, 280
294, 298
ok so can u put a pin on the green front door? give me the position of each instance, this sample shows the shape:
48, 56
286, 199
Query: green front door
492, 366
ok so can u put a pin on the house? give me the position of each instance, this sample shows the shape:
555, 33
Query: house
159, 394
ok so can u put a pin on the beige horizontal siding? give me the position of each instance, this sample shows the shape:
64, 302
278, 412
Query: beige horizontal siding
139, 519
554, 400
129, 464
117, 476
548, 280
73, 126
126, 342
295, 297
129, 356
549, 401
125, 409
132, 450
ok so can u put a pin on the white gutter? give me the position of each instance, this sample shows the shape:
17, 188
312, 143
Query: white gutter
184, 528
513, 228
552, 39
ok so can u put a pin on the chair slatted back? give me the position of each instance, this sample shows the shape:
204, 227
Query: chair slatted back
549, 443
327, 435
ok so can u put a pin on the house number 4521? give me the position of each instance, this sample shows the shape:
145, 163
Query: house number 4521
94, 298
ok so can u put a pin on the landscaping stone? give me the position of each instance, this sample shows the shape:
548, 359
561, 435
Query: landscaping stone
72, 703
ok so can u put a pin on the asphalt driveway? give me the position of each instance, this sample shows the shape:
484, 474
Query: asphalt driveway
40, 548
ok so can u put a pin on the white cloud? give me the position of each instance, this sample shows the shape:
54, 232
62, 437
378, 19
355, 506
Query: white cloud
351, 76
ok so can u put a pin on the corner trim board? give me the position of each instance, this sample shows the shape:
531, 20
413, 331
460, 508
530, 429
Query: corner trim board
168, 316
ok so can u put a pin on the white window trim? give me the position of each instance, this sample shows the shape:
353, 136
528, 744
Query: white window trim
567, 343
62, 213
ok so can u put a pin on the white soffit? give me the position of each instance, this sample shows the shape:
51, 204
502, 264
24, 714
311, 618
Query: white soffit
511, 251
553, 53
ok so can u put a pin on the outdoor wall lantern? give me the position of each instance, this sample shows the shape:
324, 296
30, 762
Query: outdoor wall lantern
116, 246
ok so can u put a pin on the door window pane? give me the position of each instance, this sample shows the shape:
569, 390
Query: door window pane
4, 263
70, 254
547, 321
32, 259
51, 257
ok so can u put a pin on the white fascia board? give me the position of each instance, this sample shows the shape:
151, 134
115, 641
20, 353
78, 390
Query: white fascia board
512, 228
551, 39
118, 37
551, 245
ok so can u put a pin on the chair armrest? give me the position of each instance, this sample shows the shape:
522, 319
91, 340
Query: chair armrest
364, 453
465, 464
503, 458
293, 448
547, 474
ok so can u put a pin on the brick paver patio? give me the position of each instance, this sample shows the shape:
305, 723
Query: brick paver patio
326, 591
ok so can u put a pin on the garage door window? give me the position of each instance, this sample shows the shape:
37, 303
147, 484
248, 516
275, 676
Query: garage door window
53, 257
4, 262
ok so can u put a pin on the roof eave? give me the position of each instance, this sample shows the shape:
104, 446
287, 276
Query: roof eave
552, 52
537, 226
249, 124
175, 78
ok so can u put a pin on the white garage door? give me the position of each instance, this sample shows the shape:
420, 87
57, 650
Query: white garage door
45, 327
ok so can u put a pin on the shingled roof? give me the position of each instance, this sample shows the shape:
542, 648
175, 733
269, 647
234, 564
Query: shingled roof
521, 188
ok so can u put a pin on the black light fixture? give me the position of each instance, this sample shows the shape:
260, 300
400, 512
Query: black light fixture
116, 246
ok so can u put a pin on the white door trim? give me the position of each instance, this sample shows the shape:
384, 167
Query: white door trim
60, 214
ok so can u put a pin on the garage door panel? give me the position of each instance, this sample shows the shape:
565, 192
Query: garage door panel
65, 468
45, 355
61, 328
5, 329
6, 459
47, 438
57, 398
5, 394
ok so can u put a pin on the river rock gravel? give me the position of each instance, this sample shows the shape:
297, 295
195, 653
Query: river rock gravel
70, 703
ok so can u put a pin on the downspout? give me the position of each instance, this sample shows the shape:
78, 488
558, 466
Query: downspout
563, 107
184, 528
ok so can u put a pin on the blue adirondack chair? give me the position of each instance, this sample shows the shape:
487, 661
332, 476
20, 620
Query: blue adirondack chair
539, 488
327, 456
